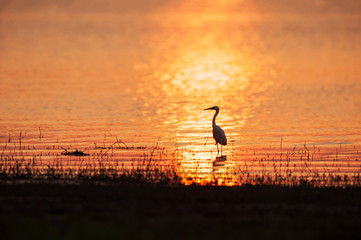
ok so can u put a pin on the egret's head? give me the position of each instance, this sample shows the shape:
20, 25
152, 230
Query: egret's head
213, 108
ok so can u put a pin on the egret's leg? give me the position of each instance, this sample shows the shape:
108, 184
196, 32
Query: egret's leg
217, 147
221, 149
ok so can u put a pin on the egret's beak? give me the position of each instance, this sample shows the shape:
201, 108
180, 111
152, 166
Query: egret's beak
211, 108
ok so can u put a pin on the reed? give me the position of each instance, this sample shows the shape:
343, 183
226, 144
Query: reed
15, 166
291, 167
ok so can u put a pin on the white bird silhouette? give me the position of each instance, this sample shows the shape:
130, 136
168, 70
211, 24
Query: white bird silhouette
218, 133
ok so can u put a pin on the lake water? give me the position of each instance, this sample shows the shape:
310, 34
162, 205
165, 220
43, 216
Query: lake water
87, 79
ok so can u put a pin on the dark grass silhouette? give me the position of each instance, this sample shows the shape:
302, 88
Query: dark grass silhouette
105, 200
159, 211
292, 168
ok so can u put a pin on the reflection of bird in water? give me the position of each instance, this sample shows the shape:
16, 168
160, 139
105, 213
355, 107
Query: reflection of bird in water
218, 133
219, 162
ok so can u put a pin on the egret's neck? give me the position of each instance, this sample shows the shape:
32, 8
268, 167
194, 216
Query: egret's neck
214, 118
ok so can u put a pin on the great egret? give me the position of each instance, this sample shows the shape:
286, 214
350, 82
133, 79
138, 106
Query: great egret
218, 133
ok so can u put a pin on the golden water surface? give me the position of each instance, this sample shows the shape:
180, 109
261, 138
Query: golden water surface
86, 78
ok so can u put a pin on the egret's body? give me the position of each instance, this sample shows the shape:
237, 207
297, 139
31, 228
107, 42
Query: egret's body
218, 133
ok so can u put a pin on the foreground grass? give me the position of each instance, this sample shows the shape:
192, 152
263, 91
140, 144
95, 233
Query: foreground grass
161, 211
14, 166
103, 199
290, 167
283, 166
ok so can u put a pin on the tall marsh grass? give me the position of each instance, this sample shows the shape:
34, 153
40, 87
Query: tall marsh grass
16, 166
286, 167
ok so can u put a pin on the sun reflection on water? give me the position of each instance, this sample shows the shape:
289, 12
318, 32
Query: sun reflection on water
201, 77
207, 69
201, 73
200, 167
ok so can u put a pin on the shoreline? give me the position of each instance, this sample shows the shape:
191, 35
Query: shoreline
158, 211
